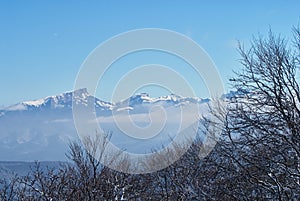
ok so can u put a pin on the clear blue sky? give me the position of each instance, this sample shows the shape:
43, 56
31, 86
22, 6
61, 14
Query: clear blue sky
43, 43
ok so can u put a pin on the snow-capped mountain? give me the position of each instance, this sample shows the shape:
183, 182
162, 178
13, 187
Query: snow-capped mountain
41, 129
61, 101
170, 99
64, 101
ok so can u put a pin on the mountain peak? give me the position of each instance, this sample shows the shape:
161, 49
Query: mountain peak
80, 92
63, 100
141, 95
138, 99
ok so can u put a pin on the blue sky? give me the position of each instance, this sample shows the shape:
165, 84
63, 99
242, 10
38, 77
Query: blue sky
43, 43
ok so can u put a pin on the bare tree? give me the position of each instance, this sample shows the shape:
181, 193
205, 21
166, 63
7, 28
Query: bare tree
258, 155
8, 188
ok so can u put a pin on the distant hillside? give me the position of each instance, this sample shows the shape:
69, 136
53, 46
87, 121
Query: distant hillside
10, 168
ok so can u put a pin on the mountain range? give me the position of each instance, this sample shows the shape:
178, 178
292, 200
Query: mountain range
42, 129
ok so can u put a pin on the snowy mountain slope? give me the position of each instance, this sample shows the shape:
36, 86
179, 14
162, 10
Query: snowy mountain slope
41, 129
61, 101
